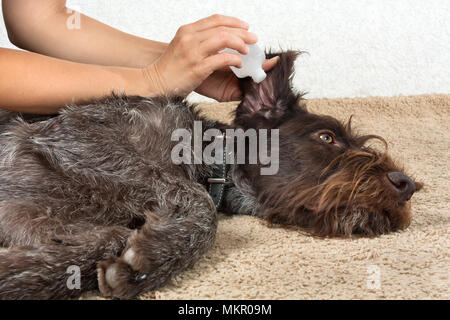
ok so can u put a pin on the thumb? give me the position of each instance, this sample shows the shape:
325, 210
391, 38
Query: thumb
270, 63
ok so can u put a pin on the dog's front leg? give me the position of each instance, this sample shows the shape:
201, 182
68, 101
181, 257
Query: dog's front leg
168, 243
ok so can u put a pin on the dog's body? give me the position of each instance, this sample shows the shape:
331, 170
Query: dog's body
96, 188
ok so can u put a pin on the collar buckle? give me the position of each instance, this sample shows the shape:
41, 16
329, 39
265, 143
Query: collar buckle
217, 180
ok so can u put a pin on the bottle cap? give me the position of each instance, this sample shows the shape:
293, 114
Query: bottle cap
259, 75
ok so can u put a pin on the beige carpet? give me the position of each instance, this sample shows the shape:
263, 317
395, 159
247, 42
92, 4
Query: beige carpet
252, 261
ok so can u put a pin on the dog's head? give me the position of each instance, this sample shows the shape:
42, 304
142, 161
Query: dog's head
329, 181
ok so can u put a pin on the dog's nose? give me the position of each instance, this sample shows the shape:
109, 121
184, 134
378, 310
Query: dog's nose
402, 185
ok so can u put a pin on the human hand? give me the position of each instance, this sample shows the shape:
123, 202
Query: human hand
193, 55
223, 85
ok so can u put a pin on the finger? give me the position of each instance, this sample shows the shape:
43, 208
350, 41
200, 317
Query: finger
218, 20
222, 41
218, 61
246, 36
270, 63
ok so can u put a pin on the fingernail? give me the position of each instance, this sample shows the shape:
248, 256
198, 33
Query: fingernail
253, 37
245, 24
275, 59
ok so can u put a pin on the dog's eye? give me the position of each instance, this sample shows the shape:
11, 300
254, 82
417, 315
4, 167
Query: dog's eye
326, 137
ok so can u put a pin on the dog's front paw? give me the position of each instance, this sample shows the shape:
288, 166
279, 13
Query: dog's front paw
116, 279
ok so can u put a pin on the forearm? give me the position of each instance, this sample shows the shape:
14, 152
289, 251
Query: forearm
33, 83
42, 27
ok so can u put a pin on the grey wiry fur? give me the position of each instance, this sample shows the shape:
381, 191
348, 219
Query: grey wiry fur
73, 188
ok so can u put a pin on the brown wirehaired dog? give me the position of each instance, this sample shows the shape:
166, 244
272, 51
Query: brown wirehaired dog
94, 188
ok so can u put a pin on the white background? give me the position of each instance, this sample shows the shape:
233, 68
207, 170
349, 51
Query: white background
356, 48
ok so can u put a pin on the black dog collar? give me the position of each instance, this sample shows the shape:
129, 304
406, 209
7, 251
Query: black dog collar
219, 179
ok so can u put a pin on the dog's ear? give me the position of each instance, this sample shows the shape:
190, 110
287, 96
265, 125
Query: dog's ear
271, 100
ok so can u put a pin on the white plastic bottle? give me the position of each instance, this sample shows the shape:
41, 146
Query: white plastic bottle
251, 64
